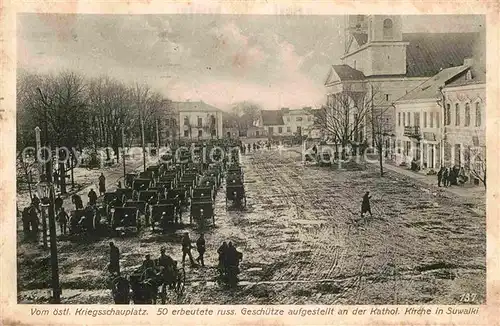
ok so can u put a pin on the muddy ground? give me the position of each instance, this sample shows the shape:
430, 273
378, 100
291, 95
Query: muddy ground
303, 242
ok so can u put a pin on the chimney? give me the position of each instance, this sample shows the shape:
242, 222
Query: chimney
468, 62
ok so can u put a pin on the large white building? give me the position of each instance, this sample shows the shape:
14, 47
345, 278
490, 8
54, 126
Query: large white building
419, 124
382, 64
197, 120
288, 123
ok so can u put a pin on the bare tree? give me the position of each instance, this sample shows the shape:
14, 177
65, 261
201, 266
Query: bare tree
345, 116
476, 158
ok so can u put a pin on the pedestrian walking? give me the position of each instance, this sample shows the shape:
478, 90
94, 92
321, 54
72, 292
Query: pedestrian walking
200, 246
365, 205
102, 184
445, 177
186, 249
62, 218
440, 176
114, 259
92, 197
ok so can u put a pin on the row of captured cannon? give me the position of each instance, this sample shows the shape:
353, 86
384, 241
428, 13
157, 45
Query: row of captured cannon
163, 192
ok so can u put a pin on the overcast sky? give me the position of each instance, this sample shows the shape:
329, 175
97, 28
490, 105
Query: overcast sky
276, 61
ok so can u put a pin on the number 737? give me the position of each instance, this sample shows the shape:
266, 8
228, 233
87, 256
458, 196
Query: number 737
468, 297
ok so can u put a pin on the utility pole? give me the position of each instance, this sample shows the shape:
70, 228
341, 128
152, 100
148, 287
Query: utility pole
142, 141
157, 142
123, 154
52, 223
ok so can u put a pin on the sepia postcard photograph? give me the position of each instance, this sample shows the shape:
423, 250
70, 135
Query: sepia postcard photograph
249, 163
251, 159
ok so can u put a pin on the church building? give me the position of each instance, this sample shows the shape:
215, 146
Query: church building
381, 64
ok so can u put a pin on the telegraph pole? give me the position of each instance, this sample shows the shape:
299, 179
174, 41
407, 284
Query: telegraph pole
123, 155
52, 223
142, 141
157, 142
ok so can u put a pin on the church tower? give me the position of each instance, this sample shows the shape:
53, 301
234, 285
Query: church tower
374, 45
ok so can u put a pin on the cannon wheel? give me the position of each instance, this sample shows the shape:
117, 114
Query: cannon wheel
180, 284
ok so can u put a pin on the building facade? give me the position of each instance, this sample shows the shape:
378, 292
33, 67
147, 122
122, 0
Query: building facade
288, 123
197, 120
381, 64
464, 134
419, 124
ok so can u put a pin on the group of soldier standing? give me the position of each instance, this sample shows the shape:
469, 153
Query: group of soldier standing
228, 255
30, 214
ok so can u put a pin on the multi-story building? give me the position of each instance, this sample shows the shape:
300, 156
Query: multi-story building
288, 123
197, 120
419, 123
381, 64
464, 134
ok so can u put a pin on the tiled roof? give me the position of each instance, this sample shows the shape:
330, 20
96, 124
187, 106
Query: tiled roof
430, 88
478, 75
345, 72
428, 53
194, 107
272, 117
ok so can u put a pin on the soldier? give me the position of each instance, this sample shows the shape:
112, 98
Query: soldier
186, 249
114, 259
148, 263
102, 184
58, 202
62, 218
200, 246
77, 200
445, 177
440, 176
233, 256
222, 254
35, 201
92, 197
365, 206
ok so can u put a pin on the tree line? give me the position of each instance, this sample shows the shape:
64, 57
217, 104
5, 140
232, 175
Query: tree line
79, 112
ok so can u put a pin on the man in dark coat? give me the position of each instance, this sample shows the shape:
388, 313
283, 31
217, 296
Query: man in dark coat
58, 202
200, 246
445, 177
77, 200
365, 206
62, 218
35, 201
102, 184
440, 176
148, 262
92, 197
186, 249
222, 251
114, 259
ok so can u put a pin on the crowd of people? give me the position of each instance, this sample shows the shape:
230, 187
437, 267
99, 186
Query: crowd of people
30, 215
227, 253
451, 176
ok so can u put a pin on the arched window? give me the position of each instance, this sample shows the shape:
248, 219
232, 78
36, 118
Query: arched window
387, 28
478, 114
467, 115
457, 114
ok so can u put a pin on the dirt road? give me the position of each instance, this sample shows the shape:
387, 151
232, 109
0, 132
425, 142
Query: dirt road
303, 242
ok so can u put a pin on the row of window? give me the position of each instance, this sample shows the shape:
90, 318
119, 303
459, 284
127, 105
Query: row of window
199, 120
429, 119
280, 129
309, 118
200, 133
467, 115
